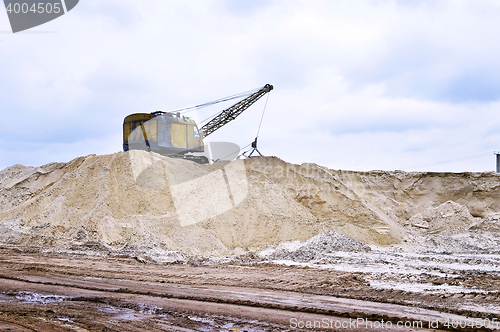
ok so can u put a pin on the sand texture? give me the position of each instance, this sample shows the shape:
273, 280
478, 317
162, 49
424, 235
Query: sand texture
171, 208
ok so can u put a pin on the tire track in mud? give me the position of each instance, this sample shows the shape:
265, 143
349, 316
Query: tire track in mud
210, 290
221, 298
272, 277
9, 324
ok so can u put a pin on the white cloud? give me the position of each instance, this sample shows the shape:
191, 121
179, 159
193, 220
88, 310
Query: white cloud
359, 85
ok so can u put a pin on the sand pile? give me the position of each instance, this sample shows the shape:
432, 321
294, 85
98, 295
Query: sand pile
146, 203
450, 227
315, 248
447, 219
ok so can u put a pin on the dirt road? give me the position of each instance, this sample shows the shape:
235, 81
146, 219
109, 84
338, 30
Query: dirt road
40, 292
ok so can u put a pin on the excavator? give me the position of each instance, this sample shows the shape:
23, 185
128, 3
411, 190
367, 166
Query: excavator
175, 135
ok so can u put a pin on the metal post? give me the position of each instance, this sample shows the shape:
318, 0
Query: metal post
498, 161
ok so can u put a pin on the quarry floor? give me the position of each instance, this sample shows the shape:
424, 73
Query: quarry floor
51, 292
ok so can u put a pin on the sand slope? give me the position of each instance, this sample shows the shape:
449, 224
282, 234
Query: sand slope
138, 199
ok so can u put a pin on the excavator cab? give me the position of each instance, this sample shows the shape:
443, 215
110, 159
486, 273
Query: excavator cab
161, 132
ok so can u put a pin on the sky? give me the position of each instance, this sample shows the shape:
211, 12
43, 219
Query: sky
358, 85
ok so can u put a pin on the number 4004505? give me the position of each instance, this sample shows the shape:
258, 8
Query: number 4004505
39, 8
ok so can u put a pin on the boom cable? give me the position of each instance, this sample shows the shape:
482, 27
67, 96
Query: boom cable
262, 117
236, 96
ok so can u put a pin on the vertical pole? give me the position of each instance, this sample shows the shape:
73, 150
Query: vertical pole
498, 161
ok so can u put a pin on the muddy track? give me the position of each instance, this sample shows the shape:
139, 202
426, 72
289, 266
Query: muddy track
273, 309
268, 277
122, 294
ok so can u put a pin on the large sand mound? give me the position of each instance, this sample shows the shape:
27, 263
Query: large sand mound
143, 200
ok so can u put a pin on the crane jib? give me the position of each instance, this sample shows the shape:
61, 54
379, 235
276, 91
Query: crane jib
232, 112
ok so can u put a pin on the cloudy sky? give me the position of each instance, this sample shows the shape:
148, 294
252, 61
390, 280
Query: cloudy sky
361, 85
